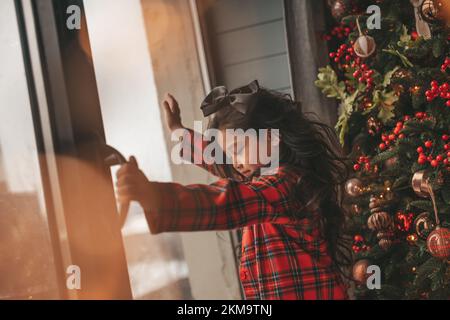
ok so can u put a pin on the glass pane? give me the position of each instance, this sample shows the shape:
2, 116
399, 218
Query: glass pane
26, 265
130, 111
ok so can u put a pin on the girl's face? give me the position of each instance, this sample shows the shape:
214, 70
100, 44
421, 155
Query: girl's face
244, 150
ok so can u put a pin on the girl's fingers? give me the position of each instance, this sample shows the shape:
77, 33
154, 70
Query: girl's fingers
173, 104
132, 161
131, 167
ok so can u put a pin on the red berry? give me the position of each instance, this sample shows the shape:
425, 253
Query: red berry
421, 160
401, 136
439, 158
382, 146
419, 115
447, 103
397, 130
446, 162
419, 150
428, 144
448, 154
392, 137
445, 137
332, 54
356, 167
384, 137
434, 163
446, 147
358, 238
367, 166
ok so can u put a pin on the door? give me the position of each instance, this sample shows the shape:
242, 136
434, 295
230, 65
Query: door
58, 211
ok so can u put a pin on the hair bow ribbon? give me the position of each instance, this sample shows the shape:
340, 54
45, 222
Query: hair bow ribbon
241, 99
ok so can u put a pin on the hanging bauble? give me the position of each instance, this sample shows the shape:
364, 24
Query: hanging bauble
339, 8
420, 183
354, 187
360, 271
373, 126
385, 243
424, 224
380, 221
438, 243
384, 224
376, 204
422, 27
431, 11
365, 45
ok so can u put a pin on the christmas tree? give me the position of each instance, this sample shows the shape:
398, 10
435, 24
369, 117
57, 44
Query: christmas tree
390, 73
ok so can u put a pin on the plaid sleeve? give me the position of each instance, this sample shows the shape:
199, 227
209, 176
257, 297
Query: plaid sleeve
194, 143
224, 205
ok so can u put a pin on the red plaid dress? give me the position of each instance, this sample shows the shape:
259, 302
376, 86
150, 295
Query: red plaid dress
282, 257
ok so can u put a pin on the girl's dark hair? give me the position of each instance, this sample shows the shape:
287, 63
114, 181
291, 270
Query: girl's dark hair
309, 146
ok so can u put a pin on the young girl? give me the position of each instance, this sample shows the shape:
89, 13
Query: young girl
291, 219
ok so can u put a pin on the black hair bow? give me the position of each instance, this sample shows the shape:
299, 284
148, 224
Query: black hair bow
241, 98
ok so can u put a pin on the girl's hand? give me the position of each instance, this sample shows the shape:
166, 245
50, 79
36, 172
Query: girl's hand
172, 111
133, 185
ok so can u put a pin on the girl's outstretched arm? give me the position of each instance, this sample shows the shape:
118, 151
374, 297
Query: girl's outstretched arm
224, 205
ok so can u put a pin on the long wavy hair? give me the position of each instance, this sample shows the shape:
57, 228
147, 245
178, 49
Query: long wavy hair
312, 148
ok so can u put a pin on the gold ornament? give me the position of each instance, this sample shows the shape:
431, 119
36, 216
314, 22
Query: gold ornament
354, 187
431, 11
423, 224
385, 243
412, 239
360, 271
384, 224
421, 183
365, 45
380, 221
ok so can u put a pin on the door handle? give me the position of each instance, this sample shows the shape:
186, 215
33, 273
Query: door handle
113, 157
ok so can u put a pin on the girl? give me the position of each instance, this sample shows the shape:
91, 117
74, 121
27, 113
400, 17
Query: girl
291, 219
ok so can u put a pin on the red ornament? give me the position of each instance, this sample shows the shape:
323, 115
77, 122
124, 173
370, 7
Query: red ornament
428, 144
438, 243
382, 146
403, 221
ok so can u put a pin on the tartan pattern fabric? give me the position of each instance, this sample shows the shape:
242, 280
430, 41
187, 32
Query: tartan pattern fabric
283, 257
